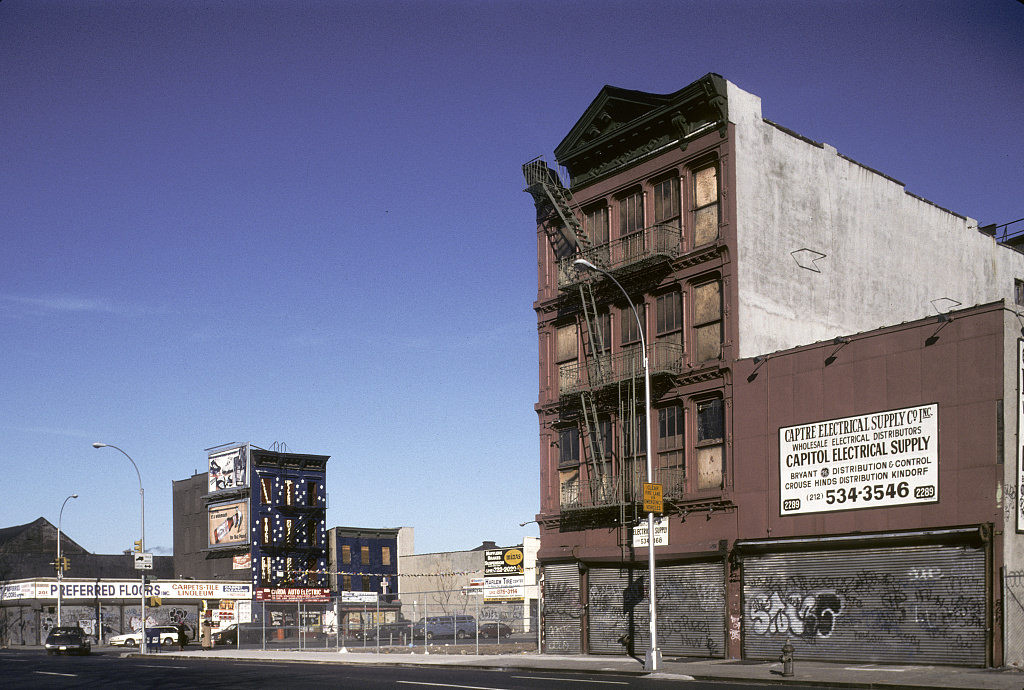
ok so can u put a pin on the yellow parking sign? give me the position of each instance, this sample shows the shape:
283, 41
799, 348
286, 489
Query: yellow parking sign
653, 498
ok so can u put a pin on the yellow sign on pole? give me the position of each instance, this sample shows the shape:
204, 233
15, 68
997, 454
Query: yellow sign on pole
653, 502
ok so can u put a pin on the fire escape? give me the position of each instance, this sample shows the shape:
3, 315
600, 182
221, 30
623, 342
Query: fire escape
602, 390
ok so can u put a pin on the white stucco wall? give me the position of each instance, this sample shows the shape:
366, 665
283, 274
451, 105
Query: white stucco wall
887, 253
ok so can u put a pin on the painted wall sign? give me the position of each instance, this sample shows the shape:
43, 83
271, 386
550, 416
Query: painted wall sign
127, 589
292, 594
874, 460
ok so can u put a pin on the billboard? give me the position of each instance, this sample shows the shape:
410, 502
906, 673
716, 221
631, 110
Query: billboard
504, 579
228, 523
229, 469
130, 589
503, 562
882, 459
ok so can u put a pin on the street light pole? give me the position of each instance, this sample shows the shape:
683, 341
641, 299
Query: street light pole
60, 563
652, 660
142, 542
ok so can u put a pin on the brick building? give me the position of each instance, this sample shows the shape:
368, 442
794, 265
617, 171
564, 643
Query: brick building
833, 367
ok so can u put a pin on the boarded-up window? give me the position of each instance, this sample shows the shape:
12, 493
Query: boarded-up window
385, 555
364, 555
565, 343
707, 321
705, 206
569, 487
266, 490
710, 433
346, 554
346, 583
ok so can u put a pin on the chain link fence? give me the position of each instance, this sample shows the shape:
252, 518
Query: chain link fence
471, 626
1013, 613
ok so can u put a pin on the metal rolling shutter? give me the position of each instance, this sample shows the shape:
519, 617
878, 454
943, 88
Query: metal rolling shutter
909, 604
562, 609
691, 610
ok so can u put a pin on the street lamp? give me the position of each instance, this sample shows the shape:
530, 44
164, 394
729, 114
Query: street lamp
142, 542
60, 563
653, 658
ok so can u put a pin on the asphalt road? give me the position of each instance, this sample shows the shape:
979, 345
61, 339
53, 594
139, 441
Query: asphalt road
32, 668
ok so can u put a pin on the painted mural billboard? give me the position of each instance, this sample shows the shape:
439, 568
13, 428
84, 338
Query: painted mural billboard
229, 469
881, 459
228, 523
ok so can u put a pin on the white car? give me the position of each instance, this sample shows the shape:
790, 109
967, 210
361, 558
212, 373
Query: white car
168, 636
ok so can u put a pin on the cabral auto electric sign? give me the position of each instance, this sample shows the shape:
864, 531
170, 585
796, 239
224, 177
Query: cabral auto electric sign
882, 459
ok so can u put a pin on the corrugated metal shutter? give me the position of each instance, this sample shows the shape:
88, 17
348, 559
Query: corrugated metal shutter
909, 604
562, 609
691, 610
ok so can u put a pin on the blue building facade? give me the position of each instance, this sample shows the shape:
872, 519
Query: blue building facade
289, 520
365, 560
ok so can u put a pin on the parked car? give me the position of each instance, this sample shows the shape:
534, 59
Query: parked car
168, 636
495, 629
251, 632
459, 627
387, 632
67, 641
228, 635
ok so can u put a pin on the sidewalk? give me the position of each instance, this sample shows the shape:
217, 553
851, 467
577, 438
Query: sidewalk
836, 675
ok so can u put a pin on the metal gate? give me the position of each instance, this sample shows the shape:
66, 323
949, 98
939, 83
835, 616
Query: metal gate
908, 604
562, 609
690, 609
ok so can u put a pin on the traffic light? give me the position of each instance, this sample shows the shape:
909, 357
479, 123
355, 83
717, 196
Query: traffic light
138, 546
65, 563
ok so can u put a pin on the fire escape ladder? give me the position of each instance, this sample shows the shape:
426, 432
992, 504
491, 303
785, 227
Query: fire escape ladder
632, 436
548, 193
596, 363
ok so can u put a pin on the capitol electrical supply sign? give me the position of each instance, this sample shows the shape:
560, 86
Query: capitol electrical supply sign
882, 459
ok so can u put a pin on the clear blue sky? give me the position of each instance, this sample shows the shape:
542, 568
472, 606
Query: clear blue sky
303, 222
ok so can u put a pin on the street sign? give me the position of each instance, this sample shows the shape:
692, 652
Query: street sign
652, 498
143, 561
640, 535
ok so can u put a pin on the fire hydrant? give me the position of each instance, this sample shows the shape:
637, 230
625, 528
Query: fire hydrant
787, 659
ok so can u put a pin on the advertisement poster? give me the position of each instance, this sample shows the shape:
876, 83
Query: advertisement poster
229, 469
504, 578
228, 523
882, 459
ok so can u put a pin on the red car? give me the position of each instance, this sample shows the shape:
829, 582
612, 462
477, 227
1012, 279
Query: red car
495, 629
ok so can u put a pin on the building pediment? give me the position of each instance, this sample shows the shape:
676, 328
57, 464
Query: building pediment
621, 126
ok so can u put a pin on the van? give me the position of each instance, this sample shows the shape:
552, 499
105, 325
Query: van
459, 627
